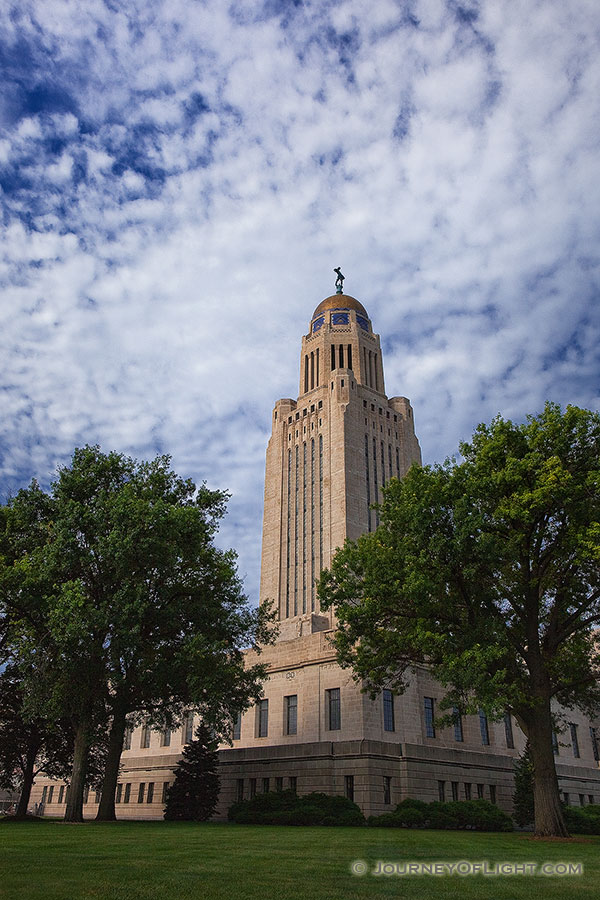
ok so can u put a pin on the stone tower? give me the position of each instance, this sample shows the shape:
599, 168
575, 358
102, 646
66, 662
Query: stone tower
329, 454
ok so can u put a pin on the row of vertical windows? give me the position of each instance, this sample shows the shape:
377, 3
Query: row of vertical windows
292, 785
305, 505
468, 793
311, 370
338, 354
371, 376
122, 794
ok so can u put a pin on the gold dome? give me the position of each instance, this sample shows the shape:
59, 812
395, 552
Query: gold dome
340, 301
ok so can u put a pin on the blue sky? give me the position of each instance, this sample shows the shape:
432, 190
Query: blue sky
178, 180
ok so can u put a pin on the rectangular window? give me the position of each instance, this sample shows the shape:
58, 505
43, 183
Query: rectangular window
455, 790
145, 737
239, 794
165, 791
263, 718
492, 793
279, 783
127, 793
119, 793
458, 728
480, 792
237, 727
333, 709
554, 743
293, 783
141, 791
429, 718
50, 793
508, 731
582, 799
467, 791
150, 792
349, 786
387, 789
442, 791
187, 732
566, 799
291, 714
388, 711
252, 787
266, 785
574, 739
591, 798
61, 793
483, 727
165, 738
44, 793
594, 740
127, 737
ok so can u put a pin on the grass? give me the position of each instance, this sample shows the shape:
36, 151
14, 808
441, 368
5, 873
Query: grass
177, 861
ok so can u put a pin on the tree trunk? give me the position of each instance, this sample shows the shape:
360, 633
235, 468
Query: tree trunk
27, 782
106, 809
74, 810
549, 818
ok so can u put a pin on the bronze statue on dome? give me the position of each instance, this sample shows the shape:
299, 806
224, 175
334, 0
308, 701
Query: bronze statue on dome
339, 281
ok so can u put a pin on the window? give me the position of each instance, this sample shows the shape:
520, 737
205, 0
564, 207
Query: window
86, 794
141, 791
97, 797
187, 734
387, 789
127, 737
51, 793
480, 792
61, 793
483, 727
590, 798
455, 790
119, 793
566, 799
467, 791
150, 792
508, 731
429, 723
442, 791
458, 729
239, 790
127, 793
554, 743
145, 737
349, 786
492, 793
252, 787
291, 714
581, 800
44, 793
266, 785
237, 727
388, 711
279, 783
263, 718
594, 739
333, 709
293, 783
165, 791
574, 739
165, 738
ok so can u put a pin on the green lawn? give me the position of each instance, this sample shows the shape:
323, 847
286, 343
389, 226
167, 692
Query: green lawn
171, 861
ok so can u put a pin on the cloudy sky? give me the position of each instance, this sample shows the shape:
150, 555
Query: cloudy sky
178, 180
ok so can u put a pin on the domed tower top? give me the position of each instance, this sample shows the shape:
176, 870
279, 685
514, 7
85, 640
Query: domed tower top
341, 302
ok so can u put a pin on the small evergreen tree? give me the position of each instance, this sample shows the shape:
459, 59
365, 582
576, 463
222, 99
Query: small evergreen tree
523, 795
193, 795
